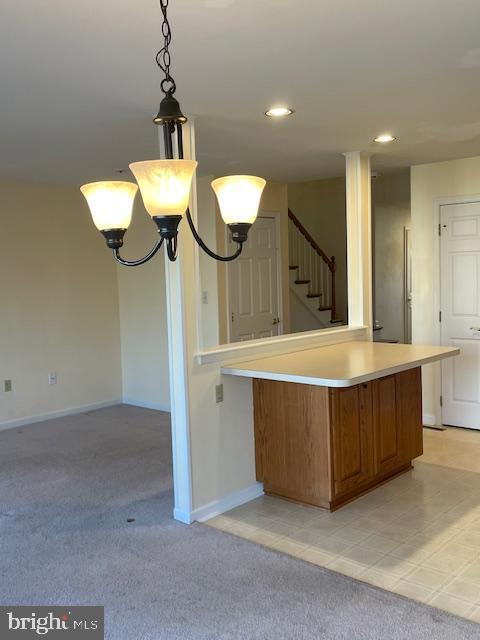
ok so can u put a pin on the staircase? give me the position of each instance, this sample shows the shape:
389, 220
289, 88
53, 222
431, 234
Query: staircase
312, 273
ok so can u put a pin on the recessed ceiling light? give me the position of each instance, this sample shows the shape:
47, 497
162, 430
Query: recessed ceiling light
385, 137
279, 112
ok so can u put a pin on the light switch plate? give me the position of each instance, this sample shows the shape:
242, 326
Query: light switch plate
7, 385
219, 393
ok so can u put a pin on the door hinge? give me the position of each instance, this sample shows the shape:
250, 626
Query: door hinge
441, 401
233, 317
439, 316
439, 229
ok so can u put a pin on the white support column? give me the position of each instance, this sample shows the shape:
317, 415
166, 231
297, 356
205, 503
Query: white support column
181, 338
212, 444
359, 239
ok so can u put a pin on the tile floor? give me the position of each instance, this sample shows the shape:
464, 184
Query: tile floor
418, 535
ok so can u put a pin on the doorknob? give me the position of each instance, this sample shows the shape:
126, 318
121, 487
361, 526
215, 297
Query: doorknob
276, 321
474, 328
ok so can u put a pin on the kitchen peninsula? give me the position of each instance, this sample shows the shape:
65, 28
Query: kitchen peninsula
336, 421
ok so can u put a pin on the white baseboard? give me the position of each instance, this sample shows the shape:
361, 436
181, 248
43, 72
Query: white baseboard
156, 406
50, 415
429, 420
221, 505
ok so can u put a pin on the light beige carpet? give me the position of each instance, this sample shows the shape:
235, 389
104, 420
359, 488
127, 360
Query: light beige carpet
67, 489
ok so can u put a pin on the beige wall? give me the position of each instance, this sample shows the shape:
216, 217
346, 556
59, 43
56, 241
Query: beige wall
391, 214
321, 208
59, 304
428, 182
274, 201
207, 228
143, 320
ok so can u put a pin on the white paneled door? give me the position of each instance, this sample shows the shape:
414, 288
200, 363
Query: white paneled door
460, 304
253, 285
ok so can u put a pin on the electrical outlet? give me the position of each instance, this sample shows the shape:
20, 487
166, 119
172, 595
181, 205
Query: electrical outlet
7, 385
219, 393
52, 377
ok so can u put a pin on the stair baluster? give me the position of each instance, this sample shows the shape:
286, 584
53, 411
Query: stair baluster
313, 266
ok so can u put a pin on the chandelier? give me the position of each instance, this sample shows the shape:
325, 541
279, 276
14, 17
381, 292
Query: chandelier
165, 184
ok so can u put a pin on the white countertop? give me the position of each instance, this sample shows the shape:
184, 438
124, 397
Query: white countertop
340, 365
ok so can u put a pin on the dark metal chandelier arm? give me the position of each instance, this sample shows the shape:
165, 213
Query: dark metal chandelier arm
172, 248
136, 263
208, 251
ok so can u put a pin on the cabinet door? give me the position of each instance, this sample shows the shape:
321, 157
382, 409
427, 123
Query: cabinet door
352, 437
409, 411
387, 432
397, 420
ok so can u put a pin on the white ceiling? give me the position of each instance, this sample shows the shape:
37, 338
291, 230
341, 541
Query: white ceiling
78, 84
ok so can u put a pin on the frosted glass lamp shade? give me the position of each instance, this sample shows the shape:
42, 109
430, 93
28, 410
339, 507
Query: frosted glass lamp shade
239, 198
110, 203
165, 185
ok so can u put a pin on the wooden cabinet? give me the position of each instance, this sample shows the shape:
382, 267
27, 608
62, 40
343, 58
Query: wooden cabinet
324, 446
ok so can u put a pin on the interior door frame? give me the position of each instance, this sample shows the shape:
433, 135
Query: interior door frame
407, 280
437, 283
278, 249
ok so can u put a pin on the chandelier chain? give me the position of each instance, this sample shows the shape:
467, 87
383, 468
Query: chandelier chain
163, 57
